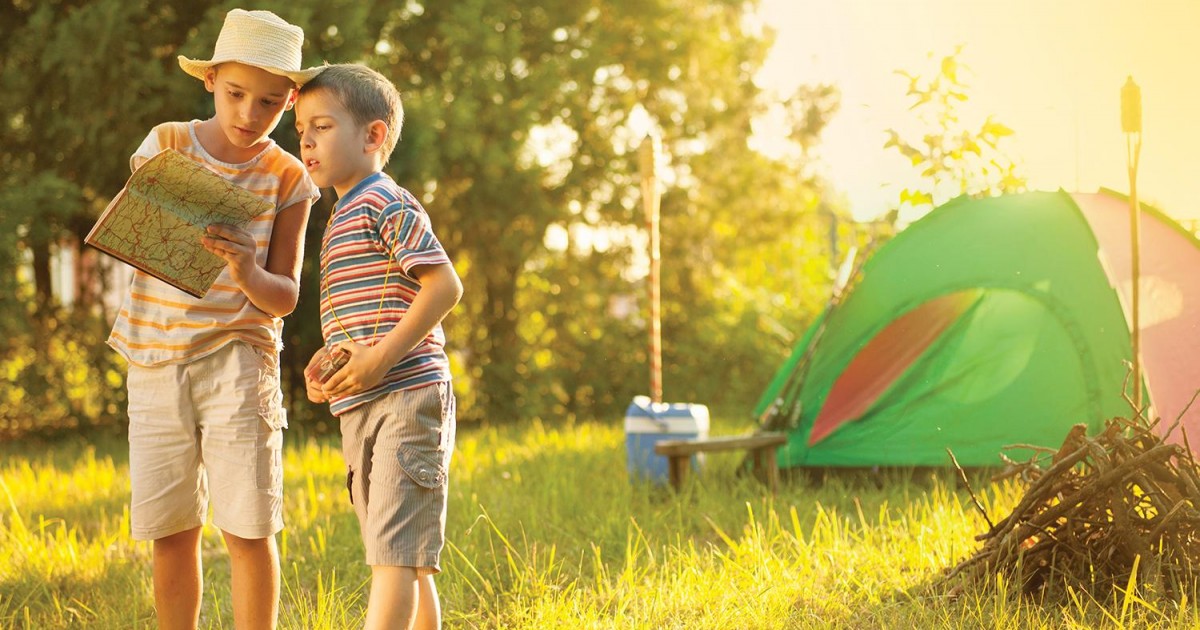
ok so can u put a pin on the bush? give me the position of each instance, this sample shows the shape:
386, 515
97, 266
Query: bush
59, 375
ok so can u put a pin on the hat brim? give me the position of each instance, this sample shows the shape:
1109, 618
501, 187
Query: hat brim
197, 68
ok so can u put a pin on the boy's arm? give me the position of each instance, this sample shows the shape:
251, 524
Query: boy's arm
275, 288
440, 292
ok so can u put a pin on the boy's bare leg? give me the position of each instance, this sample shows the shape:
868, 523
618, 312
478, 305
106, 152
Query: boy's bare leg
254, 563
429, 610
394, 599
177, 580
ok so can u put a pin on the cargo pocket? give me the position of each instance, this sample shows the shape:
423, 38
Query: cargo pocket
424, 453
272, 419
269, 457
270, 394
424, 468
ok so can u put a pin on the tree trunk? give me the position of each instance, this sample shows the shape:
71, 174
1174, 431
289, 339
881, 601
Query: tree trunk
43, 291
87, 269
500, 394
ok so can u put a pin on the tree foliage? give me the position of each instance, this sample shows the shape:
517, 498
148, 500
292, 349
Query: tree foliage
522, 123
522, 120
951, 157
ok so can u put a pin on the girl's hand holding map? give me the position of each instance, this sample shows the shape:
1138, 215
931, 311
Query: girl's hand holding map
235, 245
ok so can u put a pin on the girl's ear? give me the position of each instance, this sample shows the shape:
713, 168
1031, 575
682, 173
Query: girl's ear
210, 79
377, 132
293, 96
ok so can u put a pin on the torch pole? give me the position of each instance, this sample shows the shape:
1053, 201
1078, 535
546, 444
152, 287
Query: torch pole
647, 157
1131, 124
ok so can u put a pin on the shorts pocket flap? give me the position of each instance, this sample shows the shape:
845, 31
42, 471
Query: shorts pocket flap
424, 468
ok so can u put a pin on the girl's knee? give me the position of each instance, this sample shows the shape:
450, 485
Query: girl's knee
186, 539
235, 541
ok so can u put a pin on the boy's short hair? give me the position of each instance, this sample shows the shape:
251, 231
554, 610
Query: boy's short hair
366, 94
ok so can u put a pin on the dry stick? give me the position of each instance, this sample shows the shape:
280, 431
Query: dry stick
1158, 530
1188, 474
1137, 412
1159, 497
1019, 516
1099, 456
1105, 480
963, 476
1127, 536
1028, 470
982, 556
1029, 564
1161, 483
1142, 429
1008, 472
1179, 418
1035, 489
1080, 520
1051, 539
1188, 447
1102, 481
1124, 445
1033, 447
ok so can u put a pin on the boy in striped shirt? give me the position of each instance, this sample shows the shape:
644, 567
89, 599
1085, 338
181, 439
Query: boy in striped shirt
386, 284
205, 406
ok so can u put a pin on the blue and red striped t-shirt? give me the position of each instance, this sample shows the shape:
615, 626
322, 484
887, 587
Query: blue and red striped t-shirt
375, 225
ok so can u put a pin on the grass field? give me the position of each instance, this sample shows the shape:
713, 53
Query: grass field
546, 531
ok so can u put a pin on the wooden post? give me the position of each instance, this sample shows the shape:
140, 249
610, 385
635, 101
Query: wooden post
647, 156
677, 468
1131, 124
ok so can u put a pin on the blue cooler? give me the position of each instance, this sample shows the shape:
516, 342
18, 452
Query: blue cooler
647, 423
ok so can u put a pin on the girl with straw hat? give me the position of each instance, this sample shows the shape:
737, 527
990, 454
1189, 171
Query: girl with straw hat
205, 405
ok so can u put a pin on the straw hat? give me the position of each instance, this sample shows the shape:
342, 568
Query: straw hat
260, 39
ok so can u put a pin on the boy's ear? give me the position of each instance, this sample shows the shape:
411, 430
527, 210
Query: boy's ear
377, 132
210, 79
293, 96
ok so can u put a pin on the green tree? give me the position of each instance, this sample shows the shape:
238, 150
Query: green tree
951, 157
522, 121
747, 257
519, 120
81, 83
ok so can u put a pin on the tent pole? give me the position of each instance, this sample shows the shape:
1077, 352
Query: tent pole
1131, 124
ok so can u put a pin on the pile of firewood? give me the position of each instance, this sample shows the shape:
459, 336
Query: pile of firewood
1098, 510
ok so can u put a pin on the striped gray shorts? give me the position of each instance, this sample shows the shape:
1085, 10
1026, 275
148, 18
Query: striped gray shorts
397, 449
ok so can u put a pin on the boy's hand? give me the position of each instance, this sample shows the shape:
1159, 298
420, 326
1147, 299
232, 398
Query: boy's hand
366, 368
235, 245
311, 387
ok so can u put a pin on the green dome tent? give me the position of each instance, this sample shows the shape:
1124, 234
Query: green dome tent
988, 323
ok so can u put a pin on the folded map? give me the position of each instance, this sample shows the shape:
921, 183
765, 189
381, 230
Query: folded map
156, 221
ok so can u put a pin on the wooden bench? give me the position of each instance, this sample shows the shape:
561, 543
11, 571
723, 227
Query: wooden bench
761, 447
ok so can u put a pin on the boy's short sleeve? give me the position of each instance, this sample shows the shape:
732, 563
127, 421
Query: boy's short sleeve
407, 234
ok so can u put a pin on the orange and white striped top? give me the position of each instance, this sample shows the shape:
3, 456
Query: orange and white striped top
159, 324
